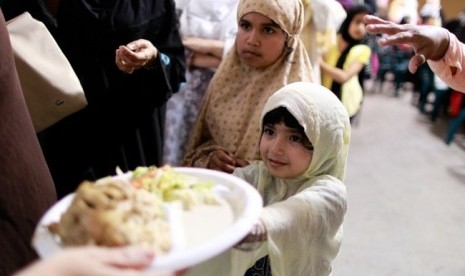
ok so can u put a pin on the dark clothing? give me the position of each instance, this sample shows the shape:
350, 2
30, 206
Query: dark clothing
26, 187
123, 122
262, 267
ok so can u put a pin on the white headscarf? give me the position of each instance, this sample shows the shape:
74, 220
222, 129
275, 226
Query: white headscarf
324, 122
304, 215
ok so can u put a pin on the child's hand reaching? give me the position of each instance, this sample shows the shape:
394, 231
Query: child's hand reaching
254, 238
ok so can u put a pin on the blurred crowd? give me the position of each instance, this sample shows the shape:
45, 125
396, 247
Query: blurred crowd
431, 95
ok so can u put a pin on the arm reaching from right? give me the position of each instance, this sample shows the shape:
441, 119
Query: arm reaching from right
428, 42
443, 51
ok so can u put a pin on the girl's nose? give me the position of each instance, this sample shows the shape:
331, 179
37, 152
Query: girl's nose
278, 146
253, 39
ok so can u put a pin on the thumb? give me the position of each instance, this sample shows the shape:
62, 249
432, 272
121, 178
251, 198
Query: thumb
416, 61
136, 45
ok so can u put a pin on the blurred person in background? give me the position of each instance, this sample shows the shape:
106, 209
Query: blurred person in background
129, 58
321, 22
343, 65
26, 186
208, 29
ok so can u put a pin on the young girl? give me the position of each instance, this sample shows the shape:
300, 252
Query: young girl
343, 64
305, 134
268, 54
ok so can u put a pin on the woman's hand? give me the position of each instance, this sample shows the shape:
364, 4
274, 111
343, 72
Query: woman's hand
225, 161
428, 42
92, 260
135, 55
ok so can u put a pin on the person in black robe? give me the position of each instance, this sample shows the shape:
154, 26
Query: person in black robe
123, 122
26, 186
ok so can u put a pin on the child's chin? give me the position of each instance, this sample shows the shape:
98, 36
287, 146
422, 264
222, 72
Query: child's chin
279, 174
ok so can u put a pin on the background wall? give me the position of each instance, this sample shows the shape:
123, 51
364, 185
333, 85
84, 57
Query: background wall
451, 8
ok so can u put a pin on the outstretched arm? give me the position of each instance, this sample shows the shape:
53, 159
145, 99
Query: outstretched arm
443, 51
428, 42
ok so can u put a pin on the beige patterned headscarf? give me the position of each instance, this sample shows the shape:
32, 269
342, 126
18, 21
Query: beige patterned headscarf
229, 116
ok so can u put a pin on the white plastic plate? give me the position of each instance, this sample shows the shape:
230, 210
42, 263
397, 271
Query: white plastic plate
198, 235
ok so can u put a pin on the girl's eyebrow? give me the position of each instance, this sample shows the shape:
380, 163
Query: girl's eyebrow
267, 24
271, 24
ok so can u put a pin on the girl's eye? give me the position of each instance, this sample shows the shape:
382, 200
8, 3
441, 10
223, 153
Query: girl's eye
268, 131
307, 145
295, 138
244, 25
268, 30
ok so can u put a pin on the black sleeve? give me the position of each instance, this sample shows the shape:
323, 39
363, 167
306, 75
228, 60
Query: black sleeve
171, 59
37, 9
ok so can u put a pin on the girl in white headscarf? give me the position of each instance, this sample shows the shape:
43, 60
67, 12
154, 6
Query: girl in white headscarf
305, 134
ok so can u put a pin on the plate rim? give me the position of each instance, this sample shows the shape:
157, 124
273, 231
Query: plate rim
191, 256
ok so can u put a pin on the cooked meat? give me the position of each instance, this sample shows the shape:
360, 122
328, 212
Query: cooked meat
114, 214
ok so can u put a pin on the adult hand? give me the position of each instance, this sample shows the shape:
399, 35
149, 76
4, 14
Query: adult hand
135, 55
428, 42
91, 260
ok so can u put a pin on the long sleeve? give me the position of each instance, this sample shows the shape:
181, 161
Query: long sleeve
201, 144
454, 58
171, 57
310, 219
26, 187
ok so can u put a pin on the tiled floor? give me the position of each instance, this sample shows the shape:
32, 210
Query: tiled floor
406, 212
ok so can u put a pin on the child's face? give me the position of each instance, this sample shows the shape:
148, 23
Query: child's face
283, 151
260, 42
357, 27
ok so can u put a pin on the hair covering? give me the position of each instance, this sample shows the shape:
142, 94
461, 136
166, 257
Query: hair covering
304, 213
323, 118
351, 13
229, 115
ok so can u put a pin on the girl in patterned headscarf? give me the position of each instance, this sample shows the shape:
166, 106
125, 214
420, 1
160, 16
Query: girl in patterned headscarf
267, 55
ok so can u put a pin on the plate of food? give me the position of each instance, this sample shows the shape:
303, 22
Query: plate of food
186, 215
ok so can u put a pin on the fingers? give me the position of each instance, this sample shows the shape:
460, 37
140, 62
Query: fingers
371, 19
396, 39
240, 162
130, 257
415, 62
222, 161
378, 26
122, 60
135, 55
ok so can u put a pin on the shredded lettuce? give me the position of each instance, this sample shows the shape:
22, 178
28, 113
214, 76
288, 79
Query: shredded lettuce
170, 185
